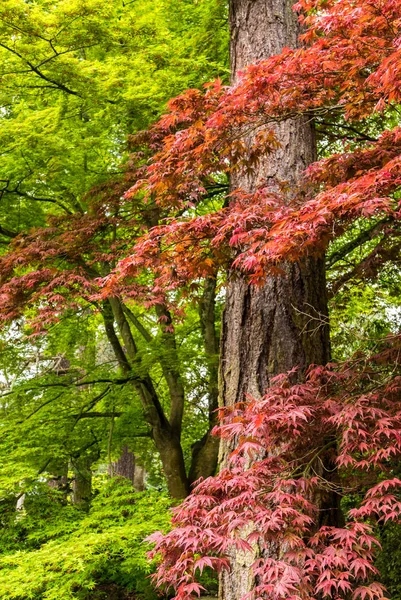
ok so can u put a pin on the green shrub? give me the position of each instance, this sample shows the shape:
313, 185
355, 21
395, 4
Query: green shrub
86, 556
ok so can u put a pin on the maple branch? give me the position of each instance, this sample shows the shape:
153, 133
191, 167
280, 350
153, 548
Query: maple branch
367, 266
217, 189
205, 451
113, 381
119, 353
94, 414
37, 409
303, 469
171, 375
78, 453
18, 192
54, 83
116, 380
86, 409
144, 386
38, 72
58, 53
40, 199
170, 370
123, 327
362, 136
359, 240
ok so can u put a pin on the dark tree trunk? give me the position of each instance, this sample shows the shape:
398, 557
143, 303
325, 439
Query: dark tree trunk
82, 482
166, 434
283, 324
124, 466
127, 466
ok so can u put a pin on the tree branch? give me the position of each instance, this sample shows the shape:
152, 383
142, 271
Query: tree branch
38, 72
7, 232
361, 238
171, 371
94, 414
108, 319
137, 324
361, 135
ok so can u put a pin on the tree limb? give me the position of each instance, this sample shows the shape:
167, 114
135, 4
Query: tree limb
361, 238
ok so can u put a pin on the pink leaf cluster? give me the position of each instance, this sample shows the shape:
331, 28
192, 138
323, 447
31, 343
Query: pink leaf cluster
270, 494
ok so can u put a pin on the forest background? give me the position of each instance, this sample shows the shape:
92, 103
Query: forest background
95, 386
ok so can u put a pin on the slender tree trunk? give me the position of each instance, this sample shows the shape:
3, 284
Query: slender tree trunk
283, 324
166, 430
205, 452
166, 433
82, 482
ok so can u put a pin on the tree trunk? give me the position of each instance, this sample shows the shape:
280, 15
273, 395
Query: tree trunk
139, 478
82, 483
124, 466
166, 434
128, 467
283, 324
205, 452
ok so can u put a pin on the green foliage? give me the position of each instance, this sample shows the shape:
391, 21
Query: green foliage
77, 77
44, 419
389, 559
365, 304
59, 552
360, 316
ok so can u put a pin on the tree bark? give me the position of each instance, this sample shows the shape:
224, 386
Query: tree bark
127, 466
82, 482
124, 466
282, 324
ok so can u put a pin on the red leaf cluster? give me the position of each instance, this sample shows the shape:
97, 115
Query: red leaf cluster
349, 67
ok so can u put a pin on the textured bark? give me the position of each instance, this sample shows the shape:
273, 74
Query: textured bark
59, 479
124, 466
271, 329
283, 324
127, 466
171, 455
